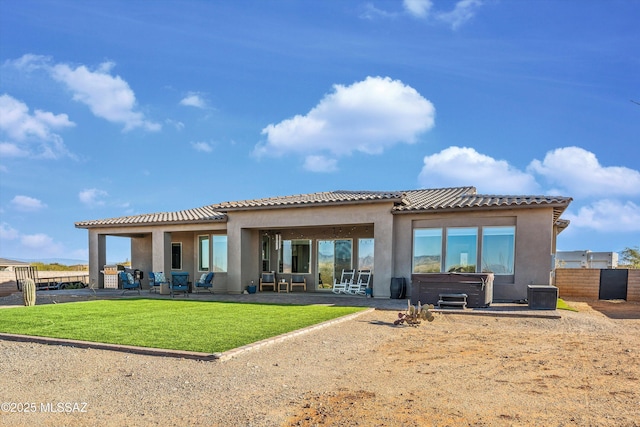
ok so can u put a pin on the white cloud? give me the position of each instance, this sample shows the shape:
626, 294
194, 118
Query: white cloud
320, 164
193, 99
371, 12
463, 11
92, 197
175, 123
27, 204
607, 216
8, 149
8, 233
204, 147
25, 128
418, 8
108, 97
463, 166
42, 243
369, 116
579, 173
30, 62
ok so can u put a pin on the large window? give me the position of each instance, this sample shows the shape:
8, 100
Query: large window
203, 253
176, 256
427, 250
333, 257
498, 250
365, 254
219, 253
266, 253
462, 244
295, 256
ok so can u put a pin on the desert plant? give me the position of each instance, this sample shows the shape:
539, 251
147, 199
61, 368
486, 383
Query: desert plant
29, 292
415, 314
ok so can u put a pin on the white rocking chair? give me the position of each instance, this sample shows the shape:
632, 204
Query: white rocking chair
360, 287
346, 280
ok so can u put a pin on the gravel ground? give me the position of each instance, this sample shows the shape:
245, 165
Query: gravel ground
459, 370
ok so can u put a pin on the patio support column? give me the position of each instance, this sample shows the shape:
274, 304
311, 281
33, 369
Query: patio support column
97, 258
234, 258
383, 259
161, 251
243, 252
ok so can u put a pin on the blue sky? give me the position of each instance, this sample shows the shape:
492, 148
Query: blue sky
113, 108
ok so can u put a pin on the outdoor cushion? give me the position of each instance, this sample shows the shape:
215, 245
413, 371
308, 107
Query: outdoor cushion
160, 278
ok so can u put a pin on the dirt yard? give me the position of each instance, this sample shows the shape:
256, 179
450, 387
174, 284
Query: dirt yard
459, 370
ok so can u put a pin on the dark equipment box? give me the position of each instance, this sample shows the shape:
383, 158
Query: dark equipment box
542, 297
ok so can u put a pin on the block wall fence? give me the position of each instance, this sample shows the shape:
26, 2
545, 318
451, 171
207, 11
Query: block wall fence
585, 283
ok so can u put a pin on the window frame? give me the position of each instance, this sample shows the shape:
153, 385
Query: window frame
178, 246
287, 246
441, 250
214, 253
471, 261
209, 254
513, 250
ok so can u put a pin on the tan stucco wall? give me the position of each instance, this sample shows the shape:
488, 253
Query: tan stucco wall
151, 248
151, 245
533, 246
244, 239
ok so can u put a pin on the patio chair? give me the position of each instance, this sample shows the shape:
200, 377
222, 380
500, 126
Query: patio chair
156, 280
298, 280
360, 287
205, 282
268, 279
179, 283
346, 279
128, 282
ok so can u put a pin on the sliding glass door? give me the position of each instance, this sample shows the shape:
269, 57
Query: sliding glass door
333, 257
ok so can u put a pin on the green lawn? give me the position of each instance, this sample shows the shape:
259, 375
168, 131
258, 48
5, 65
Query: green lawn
208, 327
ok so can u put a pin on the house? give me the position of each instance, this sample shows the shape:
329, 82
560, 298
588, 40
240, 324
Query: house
10, 265
586, 259
393, 233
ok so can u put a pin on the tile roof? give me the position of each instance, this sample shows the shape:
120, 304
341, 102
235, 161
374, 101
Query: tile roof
466, 197
403, 202
324, 198
203, 214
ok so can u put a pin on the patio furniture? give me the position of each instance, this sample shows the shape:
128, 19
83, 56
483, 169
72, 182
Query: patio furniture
298, 280
268, 279
346, 279
205, 282
283, 286
128, 282
156, 279
179, 283
360, 287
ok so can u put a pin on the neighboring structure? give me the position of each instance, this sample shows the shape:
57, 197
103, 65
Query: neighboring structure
395, 234
586, 259
10, 265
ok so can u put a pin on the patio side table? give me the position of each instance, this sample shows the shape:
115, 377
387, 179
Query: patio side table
283, 286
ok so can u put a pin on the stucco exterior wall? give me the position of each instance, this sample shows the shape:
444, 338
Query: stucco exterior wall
309, 222
533, 244
392, 233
